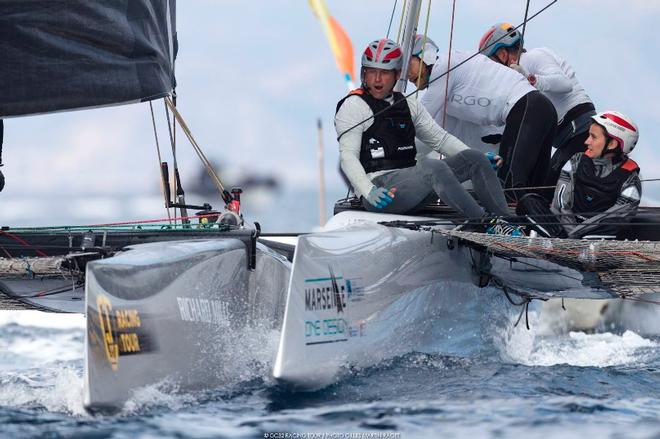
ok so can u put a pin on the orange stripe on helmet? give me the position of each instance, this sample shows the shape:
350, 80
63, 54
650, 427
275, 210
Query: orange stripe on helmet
486, 37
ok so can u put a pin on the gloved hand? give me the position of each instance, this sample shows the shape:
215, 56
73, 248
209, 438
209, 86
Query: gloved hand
495, 160
380, 197
492, 139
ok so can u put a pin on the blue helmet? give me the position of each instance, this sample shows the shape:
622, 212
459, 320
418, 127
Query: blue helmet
504, 34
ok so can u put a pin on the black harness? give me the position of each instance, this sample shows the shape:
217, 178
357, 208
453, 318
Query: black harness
389, 143
594, 194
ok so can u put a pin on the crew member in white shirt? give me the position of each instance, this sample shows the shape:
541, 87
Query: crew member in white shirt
553, 76
485, 93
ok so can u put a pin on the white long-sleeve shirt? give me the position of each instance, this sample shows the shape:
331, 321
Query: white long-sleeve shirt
355, 110
555, 78
480, 91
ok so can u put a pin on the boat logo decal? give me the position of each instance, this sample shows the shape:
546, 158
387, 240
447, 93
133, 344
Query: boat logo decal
192, 309
109, 342
119, 331
328, 298
325, 293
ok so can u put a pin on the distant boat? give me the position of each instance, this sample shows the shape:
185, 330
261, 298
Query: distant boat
248, 181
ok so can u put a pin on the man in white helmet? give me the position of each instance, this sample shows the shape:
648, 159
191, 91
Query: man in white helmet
553, 76
376, 130
598, 190
487, 94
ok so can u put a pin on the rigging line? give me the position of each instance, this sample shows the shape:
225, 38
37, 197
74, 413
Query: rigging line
55, 291
174, 162
196, 147
451, 39
421, 54
150, 221
403, 16
389, 27
517, 261
639, 299
522, 39
528, 188
378, 113
23, 242
552, 187
160, 159
4, 250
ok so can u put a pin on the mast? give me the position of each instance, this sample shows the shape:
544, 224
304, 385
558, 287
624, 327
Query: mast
319, 129
409, 32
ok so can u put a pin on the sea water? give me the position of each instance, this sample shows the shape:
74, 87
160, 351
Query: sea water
547, 381
534, 384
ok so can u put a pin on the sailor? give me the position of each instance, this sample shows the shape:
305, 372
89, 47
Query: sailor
553, 76
598, 190
376, 130
486, 93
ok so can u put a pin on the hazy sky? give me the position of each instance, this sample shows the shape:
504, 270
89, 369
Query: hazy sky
254, 77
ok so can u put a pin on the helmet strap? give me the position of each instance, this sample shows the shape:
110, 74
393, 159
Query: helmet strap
618, 152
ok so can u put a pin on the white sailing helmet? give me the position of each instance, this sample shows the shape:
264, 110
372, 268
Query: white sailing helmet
498, 36
620, 127
425, 49
383, 54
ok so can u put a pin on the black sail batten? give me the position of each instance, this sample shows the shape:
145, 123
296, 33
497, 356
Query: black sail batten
60, 55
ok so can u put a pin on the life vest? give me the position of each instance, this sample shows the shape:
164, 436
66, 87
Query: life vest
594, 194
389, 143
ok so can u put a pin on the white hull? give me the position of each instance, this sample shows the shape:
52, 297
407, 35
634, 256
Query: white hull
363, 292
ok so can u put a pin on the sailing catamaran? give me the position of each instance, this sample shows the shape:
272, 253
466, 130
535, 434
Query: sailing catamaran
162, 298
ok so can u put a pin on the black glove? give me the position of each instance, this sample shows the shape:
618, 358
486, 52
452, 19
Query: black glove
492, 139
2, 181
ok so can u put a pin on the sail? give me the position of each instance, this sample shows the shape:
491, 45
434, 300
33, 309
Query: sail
340, 42
59, 55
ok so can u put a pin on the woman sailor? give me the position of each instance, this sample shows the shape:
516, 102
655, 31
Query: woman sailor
599, 190
601, 185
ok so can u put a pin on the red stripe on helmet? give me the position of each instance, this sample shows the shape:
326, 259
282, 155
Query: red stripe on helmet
369, 53
616, 119
486, 37
393, 54
379, 50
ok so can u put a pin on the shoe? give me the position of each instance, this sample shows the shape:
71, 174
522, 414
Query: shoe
499, 226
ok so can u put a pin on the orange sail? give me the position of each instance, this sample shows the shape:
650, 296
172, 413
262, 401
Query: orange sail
340, 43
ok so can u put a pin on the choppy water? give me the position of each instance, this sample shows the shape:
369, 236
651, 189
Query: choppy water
535, 383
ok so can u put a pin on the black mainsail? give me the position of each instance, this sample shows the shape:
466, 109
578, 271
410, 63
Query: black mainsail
60, 55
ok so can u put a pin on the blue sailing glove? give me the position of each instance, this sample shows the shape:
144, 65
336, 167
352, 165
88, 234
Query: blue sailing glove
380, 197
495, 160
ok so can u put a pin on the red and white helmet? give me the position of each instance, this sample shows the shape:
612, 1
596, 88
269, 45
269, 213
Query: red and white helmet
383, 54
620, 127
